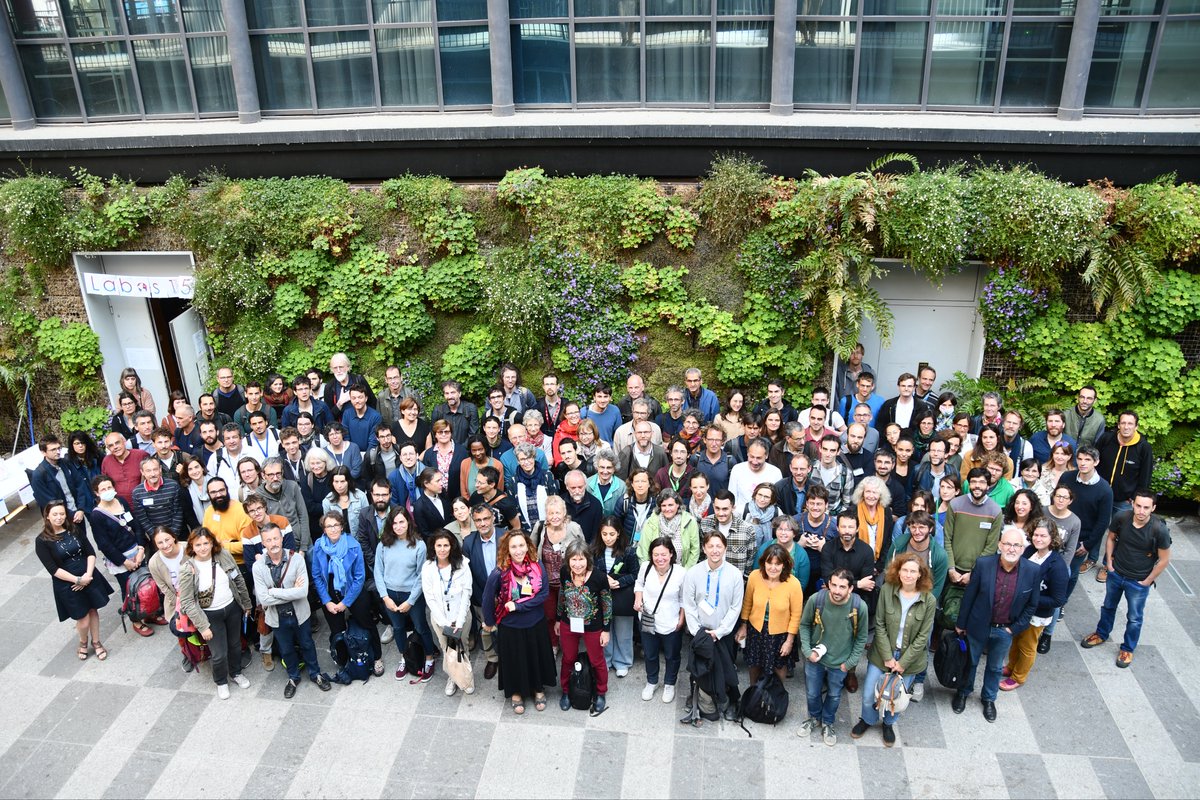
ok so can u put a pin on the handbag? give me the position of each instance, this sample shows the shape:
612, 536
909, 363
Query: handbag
457, 665
205, 597
647, 617
451, 634
890, 695
180, 625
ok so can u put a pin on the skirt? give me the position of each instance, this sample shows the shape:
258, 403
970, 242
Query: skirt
762, 649
76, 605
526, 661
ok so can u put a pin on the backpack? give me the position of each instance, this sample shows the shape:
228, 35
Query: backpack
414, 652
765, 702
581, 685
351, 652
856, 603
142, 601
952, 660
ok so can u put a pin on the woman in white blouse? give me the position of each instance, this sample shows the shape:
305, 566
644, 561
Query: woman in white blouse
446, 587
658, 598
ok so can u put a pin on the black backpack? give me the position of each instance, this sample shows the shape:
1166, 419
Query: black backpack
351, 652
414, 652
581, 685
765, 702
952, 660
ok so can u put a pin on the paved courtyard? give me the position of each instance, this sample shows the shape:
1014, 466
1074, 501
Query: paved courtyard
137, 726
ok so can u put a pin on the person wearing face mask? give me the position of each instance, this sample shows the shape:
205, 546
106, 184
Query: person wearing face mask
120, 539
227, 520
213, 594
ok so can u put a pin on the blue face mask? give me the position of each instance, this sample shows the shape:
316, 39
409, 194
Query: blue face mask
108, 495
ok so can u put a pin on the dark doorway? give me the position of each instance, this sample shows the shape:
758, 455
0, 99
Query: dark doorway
162, 311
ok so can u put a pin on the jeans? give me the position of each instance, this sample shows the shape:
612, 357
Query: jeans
1135, 605
619, 652
296, 645
670, 645
225, 647
870, 714
831, 679
995, 649
420, 624
1076, 563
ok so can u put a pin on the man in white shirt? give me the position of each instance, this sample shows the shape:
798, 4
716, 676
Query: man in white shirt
712, 599
751, 472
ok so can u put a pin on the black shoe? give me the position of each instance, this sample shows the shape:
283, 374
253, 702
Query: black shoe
489, 671
322, 681
889, 735
1043, 646
598, 705
959, 704
989, 710
187, 665
859, 729
731, 713
289, 691
245, 659
564, 702
791, 670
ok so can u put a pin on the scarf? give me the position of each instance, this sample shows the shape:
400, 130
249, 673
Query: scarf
527, 490
336, 554
536, 442
509, 581
877, 520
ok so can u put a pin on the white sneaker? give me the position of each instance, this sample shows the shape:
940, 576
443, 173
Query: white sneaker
668, 693
388, 635
242, 681
918, 692
621, 673
828, 736
451, 688
807, 727
469, 690
223, 691
649, 690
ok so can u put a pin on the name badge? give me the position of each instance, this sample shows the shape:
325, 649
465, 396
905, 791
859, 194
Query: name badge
576, 624
858, 471
707, 607
217, 517
985, 525
526, 590
148, 501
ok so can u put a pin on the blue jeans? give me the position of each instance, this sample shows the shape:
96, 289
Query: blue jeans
619, 651
995, 648
1135, 605
670, 645
1076, 563
296, 645
831, 679
420, 624
870, 714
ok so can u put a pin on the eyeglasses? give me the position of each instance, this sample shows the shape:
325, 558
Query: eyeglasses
1012, 545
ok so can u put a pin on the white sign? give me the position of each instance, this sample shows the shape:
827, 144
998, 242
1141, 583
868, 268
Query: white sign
138, 285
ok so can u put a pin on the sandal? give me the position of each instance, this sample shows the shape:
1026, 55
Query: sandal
82, 651
142, 630
539, 702
101, 653
518, 706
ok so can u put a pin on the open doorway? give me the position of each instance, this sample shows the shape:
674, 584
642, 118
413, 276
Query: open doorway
162, 311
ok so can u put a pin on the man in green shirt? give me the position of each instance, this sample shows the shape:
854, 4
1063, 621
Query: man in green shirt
833, 635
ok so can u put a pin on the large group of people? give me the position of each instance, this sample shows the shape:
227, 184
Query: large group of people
542, 532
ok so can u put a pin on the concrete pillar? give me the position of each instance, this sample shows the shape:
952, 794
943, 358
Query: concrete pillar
783, 58
12, 80
1079, 61
240, 56
500, 49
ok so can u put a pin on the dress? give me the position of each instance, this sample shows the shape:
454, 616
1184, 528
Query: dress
71, 553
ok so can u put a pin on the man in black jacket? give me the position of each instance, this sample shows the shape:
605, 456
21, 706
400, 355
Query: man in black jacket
337, 391
900, 409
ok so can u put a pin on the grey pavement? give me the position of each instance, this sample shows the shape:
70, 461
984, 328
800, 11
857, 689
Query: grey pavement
137, 726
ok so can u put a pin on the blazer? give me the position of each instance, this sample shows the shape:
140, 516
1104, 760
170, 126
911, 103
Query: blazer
658, 460
473, 550
429, 459
975, 614
46, 488
427, 515
329, 396
887, 413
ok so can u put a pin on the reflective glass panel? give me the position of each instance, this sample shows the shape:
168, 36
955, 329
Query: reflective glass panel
541, 63
827, 8
678, 8
466, 66
393, 11
448, 10
281, 67
407, 72
891, 62
202, 15
48, 74
162, 75
607, 66
536, 9
1037, 55
677, 62
342, 69
745, 7
824, 71
34, 18
212, 74
743, 62
1175, 82
3, 106
151, 17
92, 17
607, 8
1120, 64
324, 13
1062, 8
1184, 7
966, 61
105, 79
973, 8
1125, 7
273, 13
888, 8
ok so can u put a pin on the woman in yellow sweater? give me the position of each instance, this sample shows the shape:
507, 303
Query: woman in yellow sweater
771, 611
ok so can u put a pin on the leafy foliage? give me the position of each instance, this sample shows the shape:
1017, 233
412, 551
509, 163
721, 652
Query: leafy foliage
73, 348
472, 361
927, 221
732, 195
34, 220
92, 420
290, 305
454, 283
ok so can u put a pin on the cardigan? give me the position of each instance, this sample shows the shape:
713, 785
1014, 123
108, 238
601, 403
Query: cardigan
784, 602
448, 605
270, 596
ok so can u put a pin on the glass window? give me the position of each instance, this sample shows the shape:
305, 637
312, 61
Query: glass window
762, 8
677, 60
607, 8
105, 79
324, 13
743, 62
4, 107
91, 17
607, 68
281, 67
162, 75
466, 66
150, 18
541, 63
212, 74
1184, 7
202, 15
50, 85
1062, 8
827, 8
891, 62
273, 13
1174, 84
34, 18
342, 69
678, 8
888, 8
536, 9
971, 8
1120, 64
407, 72
1037, 55
389, 12
1126, 7
966, 60
824, 69
448, 10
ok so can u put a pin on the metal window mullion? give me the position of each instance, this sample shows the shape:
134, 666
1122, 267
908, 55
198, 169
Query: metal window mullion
376, 88
930, 27
1158, 34
187, 65
712, 56
1001, 67
573, 96
858, 40
642, 57
437, 54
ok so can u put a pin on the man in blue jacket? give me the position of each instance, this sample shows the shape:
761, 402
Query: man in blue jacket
51, 482
697, 396
998, 604
480, 549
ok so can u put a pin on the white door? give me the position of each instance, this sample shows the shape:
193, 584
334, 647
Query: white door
191, 351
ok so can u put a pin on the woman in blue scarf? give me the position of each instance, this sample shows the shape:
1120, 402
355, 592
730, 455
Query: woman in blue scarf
339, 574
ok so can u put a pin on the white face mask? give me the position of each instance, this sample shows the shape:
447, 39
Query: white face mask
108, 495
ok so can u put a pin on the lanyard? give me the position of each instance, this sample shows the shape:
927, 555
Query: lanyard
259, 445
445, 585
707, 579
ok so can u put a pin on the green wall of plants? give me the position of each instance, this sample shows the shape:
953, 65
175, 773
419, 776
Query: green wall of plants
746, 275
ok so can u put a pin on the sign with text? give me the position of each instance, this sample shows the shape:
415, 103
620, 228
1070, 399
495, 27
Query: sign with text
139, 285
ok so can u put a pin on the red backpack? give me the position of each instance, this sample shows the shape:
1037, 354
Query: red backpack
142, 600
